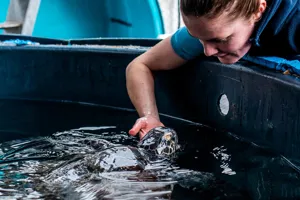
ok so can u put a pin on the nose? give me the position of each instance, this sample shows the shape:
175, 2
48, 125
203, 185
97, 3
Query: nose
209, 49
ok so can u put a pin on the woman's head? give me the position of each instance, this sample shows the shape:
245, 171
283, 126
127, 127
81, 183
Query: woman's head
222, 26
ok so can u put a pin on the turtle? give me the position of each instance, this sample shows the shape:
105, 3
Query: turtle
152, 152
158, 147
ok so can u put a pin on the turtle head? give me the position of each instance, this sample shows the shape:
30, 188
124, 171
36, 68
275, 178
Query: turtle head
160, 140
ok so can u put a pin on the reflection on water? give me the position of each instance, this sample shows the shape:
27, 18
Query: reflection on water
67, 151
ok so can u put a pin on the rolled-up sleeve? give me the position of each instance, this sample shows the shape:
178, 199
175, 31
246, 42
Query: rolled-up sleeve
186, 46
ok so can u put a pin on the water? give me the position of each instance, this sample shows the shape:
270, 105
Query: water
52, 150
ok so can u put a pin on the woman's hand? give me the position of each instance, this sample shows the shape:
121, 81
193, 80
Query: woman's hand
143, 125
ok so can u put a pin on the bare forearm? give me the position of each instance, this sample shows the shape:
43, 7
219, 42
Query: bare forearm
140, 87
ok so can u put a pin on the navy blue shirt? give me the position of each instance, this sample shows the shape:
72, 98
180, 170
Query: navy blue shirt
277, 33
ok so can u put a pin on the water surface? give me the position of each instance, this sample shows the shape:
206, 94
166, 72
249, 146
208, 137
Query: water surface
54, 150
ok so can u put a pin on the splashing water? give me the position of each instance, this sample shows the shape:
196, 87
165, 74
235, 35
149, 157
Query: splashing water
68, 151
83, 165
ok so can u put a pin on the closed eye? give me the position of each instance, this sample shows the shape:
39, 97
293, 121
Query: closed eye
214, 40
218, 40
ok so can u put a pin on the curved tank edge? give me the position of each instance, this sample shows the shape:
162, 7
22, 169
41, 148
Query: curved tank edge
156, 12
148, 42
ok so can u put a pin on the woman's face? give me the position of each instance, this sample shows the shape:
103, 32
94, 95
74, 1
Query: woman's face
228, 40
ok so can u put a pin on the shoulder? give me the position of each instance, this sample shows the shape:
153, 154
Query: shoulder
280, 26
185, 45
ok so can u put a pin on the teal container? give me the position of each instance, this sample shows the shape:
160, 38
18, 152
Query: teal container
64, 19
3, 11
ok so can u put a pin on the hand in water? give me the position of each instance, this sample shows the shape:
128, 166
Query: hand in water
143, 125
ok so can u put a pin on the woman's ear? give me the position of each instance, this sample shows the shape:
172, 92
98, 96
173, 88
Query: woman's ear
261, 9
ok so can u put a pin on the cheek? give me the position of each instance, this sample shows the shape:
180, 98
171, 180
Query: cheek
233, 45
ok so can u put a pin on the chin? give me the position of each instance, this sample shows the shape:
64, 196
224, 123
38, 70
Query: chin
229, 59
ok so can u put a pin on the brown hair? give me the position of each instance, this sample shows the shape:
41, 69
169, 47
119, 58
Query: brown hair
214, 8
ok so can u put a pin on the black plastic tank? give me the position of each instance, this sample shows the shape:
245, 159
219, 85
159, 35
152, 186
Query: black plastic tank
260, 105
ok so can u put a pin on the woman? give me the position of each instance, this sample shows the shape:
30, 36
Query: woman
226, 29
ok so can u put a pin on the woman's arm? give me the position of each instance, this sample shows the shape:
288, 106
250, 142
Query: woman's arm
140, 83
168, 54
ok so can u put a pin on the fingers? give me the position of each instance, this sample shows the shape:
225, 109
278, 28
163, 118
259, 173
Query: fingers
139, 124
142, 134
161, 124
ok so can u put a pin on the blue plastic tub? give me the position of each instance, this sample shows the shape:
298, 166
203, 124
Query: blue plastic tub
90, 18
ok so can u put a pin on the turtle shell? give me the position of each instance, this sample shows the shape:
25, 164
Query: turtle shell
160, 140
117, 158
